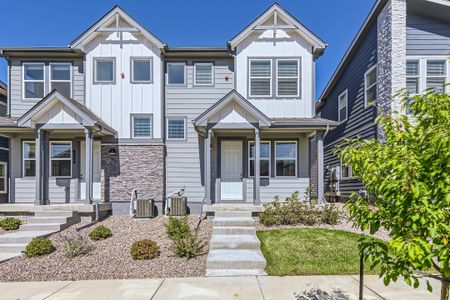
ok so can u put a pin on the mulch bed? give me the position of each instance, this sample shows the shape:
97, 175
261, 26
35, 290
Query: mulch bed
110, 258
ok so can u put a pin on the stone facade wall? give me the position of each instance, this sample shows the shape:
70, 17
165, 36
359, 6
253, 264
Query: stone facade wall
133, 166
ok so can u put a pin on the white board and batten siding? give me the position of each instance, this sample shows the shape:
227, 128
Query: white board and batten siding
285, 45
116, 102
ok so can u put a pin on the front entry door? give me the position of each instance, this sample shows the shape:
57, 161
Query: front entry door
96, 178
231, 171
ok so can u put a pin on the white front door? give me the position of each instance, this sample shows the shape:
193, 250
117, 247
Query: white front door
231, 171
96, 178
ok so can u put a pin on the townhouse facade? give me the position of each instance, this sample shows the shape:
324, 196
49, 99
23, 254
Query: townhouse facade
403, 44
119, 110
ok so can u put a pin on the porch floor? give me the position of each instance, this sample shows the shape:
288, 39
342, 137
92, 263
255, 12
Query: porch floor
32, 208
212, 208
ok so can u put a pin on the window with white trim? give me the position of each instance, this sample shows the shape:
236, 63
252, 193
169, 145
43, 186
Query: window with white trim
370, 86
288, 77
436, 75
264, 158
141, 125
203, 74
104, 69
343, 106
176, 128
28, 159
346, 171
260, 78
176, 74
412, 76
60, 159
141, 70
286, 159
60, 78
33, 80
3, 177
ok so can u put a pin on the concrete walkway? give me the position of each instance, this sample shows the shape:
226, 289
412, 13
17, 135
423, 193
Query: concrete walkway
248, 288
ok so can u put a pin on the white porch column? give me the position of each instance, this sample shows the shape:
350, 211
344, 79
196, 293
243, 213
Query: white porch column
257, 200
88, 162
320, 179
208, 166
38, 169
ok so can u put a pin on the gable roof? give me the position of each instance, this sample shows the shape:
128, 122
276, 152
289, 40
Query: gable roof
127, 17
301, 29
232, 96
89, 118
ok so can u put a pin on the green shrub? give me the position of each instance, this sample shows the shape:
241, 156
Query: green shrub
76, 246
144, 249
39, 246
100, 233
311, 216
188, 246
330, 214
177, 227
10, 223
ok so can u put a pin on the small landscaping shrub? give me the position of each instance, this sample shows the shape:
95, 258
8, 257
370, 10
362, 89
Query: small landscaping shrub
177, 227
330, 214
311, 216
39, 246
100, 233
10, 223
144, 249
189, 246
76, 246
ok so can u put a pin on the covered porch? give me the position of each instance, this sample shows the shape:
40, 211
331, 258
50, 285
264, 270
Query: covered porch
249, 158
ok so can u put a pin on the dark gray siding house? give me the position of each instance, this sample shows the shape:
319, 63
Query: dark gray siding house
4, 147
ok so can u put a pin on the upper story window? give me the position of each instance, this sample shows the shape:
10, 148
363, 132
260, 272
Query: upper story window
203, 74
424, 73
141, 70
343, 106
436, 75
33, 80
141, 125
288, 77
28, 158
264, 158
370, 86
104, 70
60, 78
61, 159
176, 128
260, 78
412, 76
286, 159
176, 74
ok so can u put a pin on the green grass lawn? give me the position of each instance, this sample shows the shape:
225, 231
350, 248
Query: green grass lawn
310, 251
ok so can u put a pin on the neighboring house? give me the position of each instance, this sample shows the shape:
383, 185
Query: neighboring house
402, 44
3, 98
119, 110
4, 147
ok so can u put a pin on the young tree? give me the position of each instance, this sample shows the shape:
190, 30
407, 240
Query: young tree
407, 178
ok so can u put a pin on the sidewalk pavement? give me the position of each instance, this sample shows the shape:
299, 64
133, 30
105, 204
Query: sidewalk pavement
247, 288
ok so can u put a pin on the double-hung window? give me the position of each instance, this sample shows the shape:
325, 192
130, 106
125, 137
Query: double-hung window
33, 80
264, 158
60, 78
104, 70
176, 128
346, 171
412, 76
28, 159
203, 74
370, 86
3, 178
176, 74
436, 75
343, 106
260, 78
141, 125
288, 77
286, 159
60, 159
141, 70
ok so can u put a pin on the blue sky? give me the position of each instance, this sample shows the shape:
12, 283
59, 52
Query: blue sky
183, 23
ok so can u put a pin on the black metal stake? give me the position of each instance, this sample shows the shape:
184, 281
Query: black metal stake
361, 276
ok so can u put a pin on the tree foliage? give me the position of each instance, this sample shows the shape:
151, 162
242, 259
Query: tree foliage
407, 179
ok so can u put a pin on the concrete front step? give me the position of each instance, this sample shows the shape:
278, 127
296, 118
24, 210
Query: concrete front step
54, 213
233, 221
47, 220
21, 237
12, 248
233, 207
233, 230
235, 259
7, 256
54, 227
234, 241
234, 272
247, 214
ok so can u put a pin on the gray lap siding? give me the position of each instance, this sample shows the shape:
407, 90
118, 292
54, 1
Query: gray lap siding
427, 36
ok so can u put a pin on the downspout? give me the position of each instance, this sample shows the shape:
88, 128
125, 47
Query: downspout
202, 134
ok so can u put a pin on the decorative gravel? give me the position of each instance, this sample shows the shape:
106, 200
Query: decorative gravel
343, 224
110, 258
21, 218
